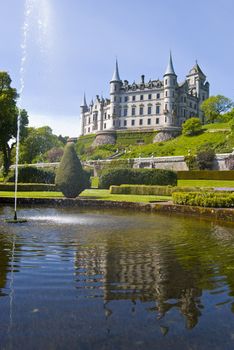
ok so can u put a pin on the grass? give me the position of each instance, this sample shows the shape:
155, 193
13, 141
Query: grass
89, 194
206, 183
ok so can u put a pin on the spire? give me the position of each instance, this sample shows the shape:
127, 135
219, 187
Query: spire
84, 103
170, 68
116, 76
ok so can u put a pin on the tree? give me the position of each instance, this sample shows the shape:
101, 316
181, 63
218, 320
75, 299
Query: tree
37, 143
54, 154
214, 106
70, 177
191, 127
8, 119
205, 157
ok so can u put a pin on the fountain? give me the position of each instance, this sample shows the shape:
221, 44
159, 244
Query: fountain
41, 11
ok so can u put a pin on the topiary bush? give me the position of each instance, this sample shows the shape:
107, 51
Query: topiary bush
138, 177
70, 178
31, 174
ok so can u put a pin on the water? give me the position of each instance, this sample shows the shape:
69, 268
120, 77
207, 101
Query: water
76, 279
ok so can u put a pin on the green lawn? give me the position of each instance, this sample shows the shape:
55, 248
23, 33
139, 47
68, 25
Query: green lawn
89, 194
206, 183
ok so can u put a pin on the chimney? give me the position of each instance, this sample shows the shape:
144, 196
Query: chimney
143, 79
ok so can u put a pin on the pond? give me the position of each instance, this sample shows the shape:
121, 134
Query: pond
102, 279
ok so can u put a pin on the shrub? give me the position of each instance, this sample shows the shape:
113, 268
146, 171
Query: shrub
191, 127
205, 157
137, 176
191, 162
24, 187
154, 190
205, 199
70, 177
31, 174
206, 175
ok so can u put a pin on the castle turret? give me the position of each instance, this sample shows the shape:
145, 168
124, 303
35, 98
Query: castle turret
170, 83
115, 86
83, 110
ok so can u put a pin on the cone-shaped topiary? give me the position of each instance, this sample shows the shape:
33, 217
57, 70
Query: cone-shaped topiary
69, 177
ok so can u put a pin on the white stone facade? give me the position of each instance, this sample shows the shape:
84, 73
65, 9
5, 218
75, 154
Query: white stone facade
156, 104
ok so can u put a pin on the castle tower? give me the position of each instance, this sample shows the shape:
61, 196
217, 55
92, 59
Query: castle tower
115, 86
198, 86
170, 83
83, 110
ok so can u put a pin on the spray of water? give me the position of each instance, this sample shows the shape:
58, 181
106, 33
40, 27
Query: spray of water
36, 13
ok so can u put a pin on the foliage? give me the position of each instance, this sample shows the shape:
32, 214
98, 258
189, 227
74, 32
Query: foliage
8, 119
208, 183
205, 157
205, 199
229, 162
192, 127
37, 143
214, 106
70, 176
137, 176
54, 154
28, 187
191, 162
153, 190
31, 174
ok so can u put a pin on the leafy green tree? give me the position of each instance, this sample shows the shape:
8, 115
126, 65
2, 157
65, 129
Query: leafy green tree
37, 143
8, 119
191, 127
214, 106
70, 178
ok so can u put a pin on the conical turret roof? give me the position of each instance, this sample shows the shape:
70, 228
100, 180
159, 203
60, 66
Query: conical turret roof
170, 68
116, 76
84, 103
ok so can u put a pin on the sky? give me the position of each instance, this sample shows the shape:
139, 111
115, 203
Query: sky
72, 45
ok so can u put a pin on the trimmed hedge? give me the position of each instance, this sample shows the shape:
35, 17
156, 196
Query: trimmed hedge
30, 174
23, 187
137, 177
154, 190
205, 199
206, 175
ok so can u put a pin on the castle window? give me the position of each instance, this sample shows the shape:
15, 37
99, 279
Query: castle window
142, 97
115, 87
158, 96
184, 99
126, 99
165, 119
89, 120
133, 111
105, 116
141, 122
203, 97
125, 112
166, 93
191, 105
166, 107
157, 109
134, 98
141, 110
120, 99
157, 120
114, 98
184, 113
195, 106
173, 93
181, 99
166, 82
125, 123
104, 125
108, 116
133, 122
149, 97
149, 121
149, 109
113, 122
88, 129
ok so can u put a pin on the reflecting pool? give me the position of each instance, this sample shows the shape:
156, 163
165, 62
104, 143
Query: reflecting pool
102, 279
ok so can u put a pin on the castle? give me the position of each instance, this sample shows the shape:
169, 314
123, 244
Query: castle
154, 105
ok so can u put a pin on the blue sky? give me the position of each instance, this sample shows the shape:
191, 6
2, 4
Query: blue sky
77, 50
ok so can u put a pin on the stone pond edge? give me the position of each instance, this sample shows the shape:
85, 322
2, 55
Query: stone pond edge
223, 214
